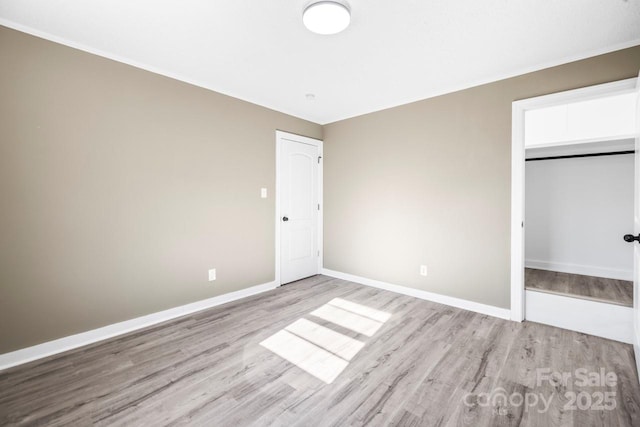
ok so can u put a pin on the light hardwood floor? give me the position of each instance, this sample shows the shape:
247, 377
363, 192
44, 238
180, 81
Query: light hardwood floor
398, 360
575, 285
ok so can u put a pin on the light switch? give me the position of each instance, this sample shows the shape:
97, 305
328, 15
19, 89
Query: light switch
423, 270
263, 193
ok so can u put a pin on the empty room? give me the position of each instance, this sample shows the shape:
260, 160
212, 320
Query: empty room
319, 213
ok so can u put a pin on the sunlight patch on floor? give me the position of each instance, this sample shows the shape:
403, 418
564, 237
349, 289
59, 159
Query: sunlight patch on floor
347, 319
341, 345
321, 351
362, 310
305, 355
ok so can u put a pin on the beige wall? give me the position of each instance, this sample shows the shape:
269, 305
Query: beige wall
429, 183
120, 188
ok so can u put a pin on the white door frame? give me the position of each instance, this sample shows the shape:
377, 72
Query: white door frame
517, 171
286, 136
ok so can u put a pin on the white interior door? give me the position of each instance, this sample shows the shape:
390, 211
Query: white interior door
299, 207
636, 231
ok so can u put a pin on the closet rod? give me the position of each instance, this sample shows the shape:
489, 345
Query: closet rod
571, 156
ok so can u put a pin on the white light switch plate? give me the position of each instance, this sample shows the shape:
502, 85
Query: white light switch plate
423, 270
263, 193
212, 274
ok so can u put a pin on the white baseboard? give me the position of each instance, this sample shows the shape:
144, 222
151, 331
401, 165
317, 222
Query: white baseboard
611, 321
489, 310
50, 348
636, 351
636, 344
586, 270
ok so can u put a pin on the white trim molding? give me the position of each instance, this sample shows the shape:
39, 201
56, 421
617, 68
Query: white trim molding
611, 321
489, 310
636, 352
71, 342
517, 213
585, 270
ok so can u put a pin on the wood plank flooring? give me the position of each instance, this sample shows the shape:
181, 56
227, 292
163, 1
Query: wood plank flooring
575, 285
396, 360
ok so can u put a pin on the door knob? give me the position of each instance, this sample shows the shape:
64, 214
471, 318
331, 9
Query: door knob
285, 219
630, 238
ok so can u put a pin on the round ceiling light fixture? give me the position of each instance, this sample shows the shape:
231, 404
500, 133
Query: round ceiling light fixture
326, 17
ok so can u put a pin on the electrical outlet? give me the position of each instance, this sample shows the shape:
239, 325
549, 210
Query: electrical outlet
212, 274
423, 270
263, 193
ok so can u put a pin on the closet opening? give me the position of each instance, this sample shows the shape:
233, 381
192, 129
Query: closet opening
573, 204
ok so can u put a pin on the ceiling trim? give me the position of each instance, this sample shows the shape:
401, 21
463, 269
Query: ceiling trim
66, 42
450, 89
503, 76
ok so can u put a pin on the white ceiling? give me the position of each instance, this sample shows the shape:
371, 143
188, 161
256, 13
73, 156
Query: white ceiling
394, 52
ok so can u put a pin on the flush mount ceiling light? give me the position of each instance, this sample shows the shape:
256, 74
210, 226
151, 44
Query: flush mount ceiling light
326, 17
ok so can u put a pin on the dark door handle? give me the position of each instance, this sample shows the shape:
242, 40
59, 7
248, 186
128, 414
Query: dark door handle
285, 219
630, 238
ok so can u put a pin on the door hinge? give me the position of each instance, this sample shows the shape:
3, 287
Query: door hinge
319, 157
318, 206
318, 253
